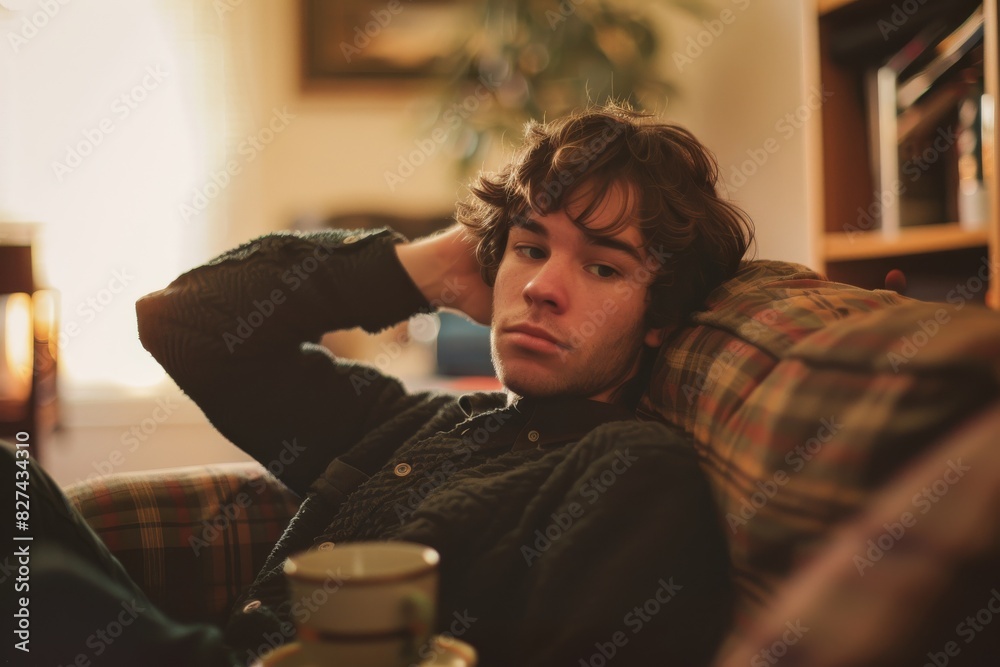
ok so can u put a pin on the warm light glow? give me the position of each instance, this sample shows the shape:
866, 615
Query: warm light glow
17, 343
102, 149
45, 304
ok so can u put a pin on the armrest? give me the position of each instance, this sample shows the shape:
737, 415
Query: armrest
912, 579
191, 537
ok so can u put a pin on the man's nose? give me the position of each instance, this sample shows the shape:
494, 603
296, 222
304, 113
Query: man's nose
547, 287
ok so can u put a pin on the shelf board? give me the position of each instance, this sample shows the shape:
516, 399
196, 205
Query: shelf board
827, 6
841, 246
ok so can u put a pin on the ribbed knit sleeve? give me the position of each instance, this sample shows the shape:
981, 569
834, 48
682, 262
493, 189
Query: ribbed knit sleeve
240, 336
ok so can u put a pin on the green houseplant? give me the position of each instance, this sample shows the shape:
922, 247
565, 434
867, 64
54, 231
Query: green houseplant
540, 59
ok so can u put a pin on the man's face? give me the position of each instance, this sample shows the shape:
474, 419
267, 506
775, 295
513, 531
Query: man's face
568, 307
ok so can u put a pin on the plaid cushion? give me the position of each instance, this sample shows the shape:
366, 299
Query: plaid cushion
192, 537
805, 395
913, 580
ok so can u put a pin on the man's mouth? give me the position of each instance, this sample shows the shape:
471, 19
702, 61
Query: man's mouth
534, 338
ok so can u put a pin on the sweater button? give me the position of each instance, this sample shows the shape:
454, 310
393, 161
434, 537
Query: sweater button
351, 239
250, 606
326, 546
402, 470
533, 436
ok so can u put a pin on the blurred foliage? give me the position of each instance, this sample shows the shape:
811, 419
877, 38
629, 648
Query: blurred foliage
540, 59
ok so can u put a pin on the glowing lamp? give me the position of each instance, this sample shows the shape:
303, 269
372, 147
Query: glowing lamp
16, 355
28, 340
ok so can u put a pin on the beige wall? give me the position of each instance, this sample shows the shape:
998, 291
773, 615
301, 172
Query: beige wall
334, 154
734, 94
737, 97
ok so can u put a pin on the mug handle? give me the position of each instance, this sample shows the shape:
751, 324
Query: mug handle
418, 616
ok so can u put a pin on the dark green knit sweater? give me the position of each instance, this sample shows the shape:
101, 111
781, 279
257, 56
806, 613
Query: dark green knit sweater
596, 540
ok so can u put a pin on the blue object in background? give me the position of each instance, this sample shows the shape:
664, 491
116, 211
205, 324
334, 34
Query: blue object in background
463, 347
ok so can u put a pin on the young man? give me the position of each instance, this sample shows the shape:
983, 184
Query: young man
569, 531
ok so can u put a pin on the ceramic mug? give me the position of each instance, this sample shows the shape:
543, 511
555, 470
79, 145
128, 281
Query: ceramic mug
364, 604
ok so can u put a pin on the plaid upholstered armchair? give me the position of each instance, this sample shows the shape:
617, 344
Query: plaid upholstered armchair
191, 537
849, 437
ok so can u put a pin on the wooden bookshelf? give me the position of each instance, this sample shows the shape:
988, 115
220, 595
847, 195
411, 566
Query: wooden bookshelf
827, 6
844, 246
849, 185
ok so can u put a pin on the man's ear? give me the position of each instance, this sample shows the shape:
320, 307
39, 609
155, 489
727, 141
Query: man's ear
654, 337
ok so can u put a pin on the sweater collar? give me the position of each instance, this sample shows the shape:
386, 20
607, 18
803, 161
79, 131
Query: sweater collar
548, 422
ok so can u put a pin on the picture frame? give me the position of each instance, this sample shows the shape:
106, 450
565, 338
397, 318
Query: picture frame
379, 42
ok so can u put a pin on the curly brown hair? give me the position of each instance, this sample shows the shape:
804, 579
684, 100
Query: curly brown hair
670, 182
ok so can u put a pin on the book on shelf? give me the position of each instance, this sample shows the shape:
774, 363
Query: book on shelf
931, 110
910, 101
948, 53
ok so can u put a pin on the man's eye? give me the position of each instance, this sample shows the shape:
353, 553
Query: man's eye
525, 251
603, 271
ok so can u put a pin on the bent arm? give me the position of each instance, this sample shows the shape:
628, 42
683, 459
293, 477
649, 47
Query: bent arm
240, 336
445, 269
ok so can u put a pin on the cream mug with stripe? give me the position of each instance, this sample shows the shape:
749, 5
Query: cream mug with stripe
364, 604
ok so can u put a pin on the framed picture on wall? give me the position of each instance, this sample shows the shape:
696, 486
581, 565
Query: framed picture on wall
375, 41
